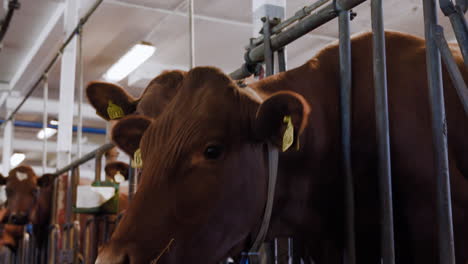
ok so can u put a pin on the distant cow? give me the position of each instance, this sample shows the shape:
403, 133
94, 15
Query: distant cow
28, 201
203, 186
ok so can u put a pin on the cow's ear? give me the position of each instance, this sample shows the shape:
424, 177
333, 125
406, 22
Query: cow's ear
115, 168
160, 92
127, 133
110, 100
281, 118
3, 180
45, 180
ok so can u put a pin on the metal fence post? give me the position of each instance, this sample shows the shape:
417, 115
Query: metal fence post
345, 108
439, 130
459, 25
383, 134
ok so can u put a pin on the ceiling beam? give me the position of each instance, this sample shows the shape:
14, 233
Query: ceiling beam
38, 44
34, 105
180, 13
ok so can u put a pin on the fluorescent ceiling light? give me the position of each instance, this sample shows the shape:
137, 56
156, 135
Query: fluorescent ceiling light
54, 122
47, 134
16, 159
130, 61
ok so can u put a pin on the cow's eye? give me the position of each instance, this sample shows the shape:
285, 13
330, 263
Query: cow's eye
213, 152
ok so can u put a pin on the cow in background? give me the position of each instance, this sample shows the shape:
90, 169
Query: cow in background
28, 201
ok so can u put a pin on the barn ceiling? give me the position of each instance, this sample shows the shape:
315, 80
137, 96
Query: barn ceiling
222, 29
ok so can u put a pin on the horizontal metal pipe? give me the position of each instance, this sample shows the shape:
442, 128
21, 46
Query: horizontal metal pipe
297, 16
85, 158
452, 67
28, 124
58, 54
301, 28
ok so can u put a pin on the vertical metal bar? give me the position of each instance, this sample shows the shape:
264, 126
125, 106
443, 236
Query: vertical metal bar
282, 59
7, 149
276, 250
452, 67
98, 167
87, 247
76, 241
44, 121
24, 252
439, 131
79, 131
131, 182
269, 59
191, 35
68, 212
345, 101
383, 134
54, 235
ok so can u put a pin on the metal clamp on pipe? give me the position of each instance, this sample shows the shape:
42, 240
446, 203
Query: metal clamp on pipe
459, 24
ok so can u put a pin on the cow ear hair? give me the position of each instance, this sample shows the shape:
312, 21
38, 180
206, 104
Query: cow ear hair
110, 100
127, 132
160, 91
112, 168
281, 118
3, 180
45, 180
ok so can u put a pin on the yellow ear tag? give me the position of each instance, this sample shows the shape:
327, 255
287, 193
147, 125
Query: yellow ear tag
114, 111
119, 177
288, 137
137, 162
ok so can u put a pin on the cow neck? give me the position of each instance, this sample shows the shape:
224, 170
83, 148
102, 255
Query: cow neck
273, 155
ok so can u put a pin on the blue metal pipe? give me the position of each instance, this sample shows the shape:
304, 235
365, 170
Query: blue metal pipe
28, 124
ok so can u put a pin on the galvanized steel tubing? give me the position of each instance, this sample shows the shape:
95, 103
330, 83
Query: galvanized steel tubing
452, 67
302, 27
460, 27
439, 130
383, 134
58, 54
45, 99
345, 109
79, 134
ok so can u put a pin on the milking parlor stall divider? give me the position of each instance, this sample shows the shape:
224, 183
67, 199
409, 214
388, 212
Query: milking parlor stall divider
276, 35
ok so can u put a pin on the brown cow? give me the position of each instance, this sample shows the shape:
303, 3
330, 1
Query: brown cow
203, 187
28, 201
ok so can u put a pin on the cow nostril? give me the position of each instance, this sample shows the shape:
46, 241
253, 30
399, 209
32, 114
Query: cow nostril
18, 219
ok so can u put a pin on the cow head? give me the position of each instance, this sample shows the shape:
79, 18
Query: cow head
22, 191
103, 96
204, 176
117, 171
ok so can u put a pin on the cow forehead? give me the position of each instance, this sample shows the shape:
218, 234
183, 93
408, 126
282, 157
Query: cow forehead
22, 176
